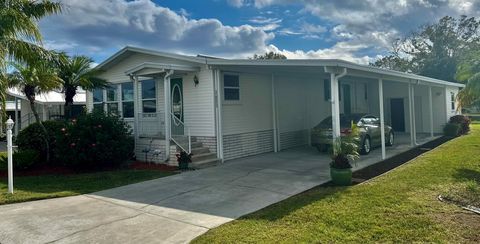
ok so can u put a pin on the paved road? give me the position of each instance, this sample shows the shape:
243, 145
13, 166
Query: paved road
173, 209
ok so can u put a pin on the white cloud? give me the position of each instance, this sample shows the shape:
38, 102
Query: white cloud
341, 50
236, 3
103, 25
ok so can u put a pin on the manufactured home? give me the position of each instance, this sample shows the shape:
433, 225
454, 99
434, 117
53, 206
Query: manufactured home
223, 109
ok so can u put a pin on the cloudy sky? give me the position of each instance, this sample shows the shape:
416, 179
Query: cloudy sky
355, 30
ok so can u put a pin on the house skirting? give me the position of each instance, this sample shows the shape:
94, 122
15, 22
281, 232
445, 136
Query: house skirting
247, 144
152, 144
208, 141
293, 139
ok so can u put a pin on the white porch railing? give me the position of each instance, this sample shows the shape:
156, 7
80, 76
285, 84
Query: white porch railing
180, 134
151, 125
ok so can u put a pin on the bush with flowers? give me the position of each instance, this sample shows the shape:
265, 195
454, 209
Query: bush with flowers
94, 141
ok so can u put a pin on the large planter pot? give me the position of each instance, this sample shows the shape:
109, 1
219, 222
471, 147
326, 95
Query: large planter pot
341, 177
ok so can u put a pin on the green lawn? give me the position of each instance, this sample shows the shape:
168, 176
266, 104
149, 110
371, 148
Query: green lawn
400, 206
28, 188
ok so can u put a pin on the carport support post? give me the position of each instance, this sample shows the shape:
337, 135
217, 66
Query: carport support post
410, 105
382, 121
274, 116
166, 92
430, 100
335, 107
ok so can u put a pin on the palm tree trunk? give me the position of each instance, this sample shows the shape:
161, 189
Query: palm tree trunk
39, 121
70, 92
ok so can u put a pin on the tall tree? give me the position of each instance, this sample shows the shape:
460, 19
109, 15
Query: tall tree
76, 72
435, 50
19, 35
269, 55
37, 78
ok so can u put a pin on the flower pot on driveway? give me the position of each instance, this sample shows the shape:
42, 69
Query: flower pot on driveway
341, 177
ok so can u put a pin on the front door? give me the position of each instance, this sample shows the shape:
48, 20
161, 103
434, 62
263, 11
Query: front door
397, 111
176, 86
347, 101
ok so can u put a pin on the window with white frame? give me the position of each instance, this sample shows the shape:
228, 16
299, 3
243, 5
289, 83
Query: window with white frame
231, 87
149, 98
98, 100
112, 99
452, 100
127, 100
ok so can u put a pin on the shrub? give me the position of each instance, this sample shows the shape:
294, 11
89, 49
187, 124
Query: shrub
94, 141
22, 160
31, 138
452, 129
463, 121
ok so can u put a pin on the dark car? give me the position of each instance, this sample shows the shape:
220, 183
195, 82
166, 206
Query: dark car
370, 132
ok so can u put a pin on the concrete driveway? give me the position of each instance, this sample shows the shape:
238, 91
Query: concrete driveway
173, 209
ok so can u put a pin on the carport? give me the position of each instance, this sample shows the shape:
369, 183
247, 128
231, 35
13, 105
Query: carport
304, 92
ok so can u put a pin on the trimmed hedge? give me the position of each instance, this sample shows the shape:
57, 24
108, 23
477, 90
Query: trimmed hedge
451, 129
22, 160
463, 121
31, 138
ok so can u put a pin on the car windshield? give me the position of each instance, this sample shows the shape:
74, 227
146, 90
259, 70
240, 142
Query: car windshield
345, 120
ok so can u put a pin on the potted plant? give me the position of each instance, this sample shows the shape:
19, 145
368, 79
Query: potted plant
345, 151
183, 159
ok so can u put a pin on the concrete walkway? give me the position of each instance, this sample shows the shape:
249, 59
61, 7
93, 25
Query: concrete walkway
173, 209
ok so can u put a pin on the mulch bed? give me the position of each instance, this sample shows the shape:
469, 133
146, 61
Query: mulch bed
397, 160
388, 164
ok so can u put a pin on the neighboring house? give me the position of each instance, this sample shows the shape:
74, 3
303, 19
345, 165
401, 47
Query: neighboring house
236, 108
50, 106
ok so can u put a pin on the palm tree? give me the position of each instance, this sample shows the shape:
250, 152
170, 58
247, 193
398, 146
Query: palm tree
19, 35
77, 72
468, 72
32, 80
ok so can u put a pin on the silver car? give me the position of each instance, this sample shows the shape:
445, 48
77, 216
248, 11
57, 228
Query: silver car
370, 132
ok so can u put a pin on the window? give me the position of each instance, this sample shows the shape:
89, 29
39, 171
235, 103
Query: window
452, 100
127, 100
112, 99
98, 99
326, 90
149, 100
231, 88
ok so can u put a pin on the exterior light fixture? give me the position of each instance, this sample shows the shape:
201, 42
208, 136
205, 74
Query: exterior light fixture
195, 80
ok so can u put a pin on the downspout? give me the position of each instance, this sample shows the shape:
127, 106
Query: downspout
166, 92
334, 91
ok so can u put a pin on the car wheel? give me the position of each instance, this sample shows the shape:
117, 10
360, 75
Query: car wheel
390, 139
322, 148
366, 146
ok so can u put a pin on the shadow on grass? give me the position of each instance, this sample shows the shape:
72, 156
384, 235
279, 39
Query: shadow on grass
467, 175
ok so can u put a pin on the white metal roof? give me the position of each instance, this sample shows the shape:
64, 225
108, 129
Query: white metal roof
52, 97
276, 63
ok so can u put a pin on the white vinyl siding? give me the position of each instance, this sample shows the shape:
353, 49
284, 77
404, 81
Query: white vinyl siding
254, 113
198, 107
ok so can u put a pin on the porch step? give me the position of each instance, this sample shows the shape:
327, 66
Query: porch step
204, 163
203, 156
